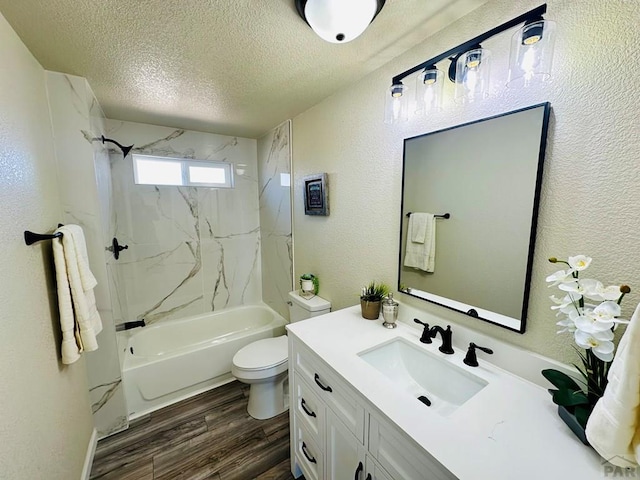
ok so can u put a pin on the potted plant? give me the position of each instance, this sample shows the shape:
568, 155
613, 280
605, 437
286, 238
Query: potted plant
371, 298
589, 312
309, 284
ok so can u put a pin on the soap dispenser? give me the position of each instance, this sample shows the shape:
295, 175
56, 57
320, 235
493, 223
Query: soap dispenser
390, 311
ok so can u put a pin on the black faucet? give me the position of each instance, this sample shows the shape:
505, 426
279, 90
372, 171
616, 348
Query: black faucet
471, 358
425, 338
446, 338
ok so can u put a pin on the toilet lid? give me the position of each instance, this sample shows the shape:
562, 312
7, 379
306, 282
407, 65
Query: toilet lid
261, 354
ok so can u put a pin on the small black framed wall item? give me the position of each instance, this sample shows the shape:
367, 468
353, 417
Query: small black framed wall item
316, 198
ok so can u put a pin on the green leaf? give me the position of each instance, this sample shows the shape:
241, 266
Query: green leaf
569, 398
560, 380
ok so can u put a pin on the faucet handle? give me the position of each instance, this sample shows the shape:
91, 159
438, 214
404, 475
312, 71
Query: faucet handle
425, 338
471, 359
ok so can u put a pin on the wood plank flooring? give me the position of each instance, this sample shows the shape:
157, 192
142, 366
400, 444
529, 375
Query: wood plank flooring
209, 436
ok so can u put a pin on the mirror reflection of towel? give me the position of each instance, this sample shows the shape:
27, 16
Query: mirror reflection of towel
421, 252
418, 222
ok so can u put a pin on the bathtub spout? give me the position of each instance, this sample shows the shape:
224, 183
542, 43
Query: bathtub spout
127, 325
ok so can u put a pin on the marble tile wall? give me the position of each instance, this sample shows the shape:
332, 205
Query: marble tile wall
84, 179
274, 170
191, 250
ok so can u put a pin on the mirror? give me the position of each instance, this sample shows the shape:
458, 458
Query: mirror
487, 176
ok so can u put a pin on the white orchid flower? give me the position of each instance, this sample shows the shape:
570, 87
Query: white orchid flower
579, 262
606, 311
599, 342
568, 324
573, 287
596, 291
559, 277
566, 304
588, 322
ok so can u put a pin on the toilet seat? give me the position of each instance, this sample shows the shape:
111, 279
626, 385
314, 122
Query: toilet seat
266, 357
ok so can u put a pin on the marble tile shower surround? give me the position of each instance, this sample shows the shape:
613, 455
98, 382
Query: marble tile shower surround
191, 250
84, 179
274, 159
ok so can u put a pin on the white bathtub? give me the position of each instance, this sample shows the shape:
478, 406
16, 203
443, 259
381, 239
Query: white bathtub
172, 360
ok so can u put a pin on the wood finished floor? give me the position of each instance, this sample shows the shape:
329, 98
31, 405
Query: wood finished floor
209, 436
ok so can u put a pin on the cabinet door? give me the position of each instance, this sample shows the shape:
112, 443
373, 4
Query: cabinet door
375, 471
345, 455
400, 456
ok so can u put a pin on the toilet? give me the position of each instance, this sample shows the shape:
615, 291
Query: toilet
263, 364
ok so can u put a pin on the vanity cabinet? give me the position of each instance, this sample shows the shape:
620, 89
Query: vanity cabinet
336, 434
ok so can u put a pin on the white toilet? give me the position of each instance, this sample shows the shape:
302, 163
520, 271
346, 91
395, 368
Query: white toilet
263, 364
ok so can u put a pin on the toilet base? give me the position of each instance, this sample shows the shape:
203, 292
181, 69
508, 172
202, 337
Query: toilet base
267, 399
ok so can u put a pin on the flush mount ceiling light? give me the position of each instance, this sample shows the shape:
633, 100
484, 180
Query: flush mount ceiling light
531, 56
338, 21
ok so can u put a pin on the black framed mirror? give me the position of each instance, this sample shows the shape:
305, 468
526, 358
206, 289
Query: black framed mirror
470, 198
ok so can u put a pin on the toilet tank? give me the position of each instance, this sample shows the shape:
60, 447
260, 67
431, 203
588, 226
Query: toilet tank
302, 308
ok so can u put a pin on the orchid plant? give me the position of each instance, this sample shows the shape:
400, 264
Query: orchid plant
590, 312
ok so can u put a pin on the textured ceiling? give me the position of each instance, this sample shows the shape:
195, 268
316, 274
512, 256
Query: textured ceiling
234, 67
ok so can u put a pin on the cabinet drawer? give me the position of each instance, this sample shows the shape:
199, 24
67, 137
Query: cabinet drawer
400, 456
309, 410
330, 389
309, 456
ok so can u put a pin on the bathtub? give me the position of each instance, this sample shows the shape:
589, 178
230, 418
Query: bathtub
172, 360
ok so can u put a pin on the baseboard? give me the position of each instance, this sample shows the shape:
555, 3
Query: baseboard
91, 451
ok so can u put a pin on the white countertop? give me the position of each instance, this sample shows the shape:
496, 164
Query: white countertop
508, 430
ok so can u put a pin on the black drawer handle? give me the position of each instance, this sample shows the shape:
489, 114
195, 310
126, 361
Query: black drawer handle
326, 388
303, 404
304, 450
359, 470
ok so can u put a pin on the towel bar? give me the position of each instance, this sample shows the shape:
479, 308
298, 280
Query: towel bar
445, 216
30, 238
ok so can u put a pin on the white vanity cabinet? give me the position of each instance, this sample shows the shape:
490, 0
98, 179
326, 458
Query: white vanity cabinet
336, 434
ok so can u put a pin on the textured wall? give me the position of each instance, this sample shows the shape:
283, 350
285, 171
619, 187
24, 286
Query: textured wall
45, 420
591, 182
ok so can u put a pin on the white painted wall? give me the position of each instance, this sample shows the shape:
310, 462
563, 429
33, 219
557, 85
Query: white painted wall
591, 182
45, 420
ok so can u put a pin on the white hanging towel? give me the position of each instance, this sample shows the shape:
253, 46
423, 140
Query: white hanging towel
79, 318
613, 428
420, 251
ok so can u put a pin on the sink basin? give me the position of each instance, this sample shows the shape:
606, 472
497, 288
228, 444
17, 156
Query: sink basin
436, 382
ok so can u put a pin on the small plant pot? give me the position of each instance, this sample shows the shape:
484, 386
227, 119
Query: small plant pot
570, 420
370, 309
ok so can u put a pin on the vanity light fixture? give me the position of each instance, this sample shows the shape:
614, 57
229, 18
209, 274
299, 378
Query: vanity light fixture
531, 53
530, 59
429, 85
472, 71
396, 107
338, 21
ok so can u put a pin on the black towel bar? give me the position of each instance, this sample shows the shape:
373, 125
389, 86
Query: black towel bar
30, 238
445, 216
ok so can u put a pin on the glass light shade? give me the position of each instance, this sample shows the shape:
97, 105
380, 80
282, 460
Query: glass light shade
396, 108
340, 21
531, 54
429, 85
473, 70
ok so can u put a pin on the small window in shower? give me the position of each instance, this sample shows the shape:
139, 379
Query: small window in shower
153, 170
